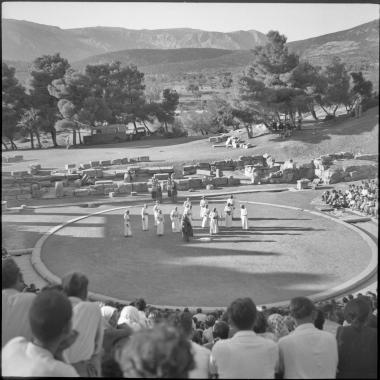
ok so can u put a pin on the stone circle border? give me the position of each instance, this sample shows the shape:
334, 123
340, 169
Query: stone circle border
363, 276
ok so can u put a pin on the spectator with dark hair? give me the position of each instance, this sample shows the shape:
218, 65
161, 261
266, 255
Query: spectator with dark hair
261, 327
277, 326
85, 353
154, 318
330, 324
207, 333
161, 352
357, 343
50, 320
184, 323
319, 320
15, 303
245, 355
140, 305
220, 330
307, 352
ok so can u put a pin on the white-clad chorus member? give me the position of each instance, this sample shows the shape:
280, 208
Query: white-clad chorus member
205, 216
214, 227
156, 209
231, 201
160, 223
144, 218
228, 215
127, 224
244, 217
202, 205
174, 217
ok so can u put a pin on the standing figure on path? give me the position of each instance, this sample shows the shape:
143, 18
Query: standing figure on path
174, 217
214, 216
156, 209
189, 213
244, 217
187, 229
144, 218
169, 186
228, 214
68, 142
206, 216
160, 223
159, 193
127, 224
202, 205
187, 203
231, 201
174, 192
154, 189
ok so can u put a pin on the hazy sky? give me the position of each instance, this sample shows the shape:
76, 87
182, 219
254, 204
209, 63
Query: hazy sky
296, 21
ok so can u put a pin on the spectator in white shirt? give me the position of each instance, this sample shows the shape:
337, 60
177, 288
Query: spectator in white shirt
140, 305
15, 303
85, 353
201, 317
307, 352
50, 319
246, 355
201, 355
160, 352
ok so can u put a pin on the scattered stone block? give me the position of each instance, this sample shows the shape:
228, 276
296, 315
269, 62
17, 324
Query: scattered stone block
222, 181
124, 160
19, 173
89, 172
189, 169
232, 181
68, 191
134, 193
140, 187
77, 183
195, 183
105, 162
210, 187
99, 173
182, 184
84, 166
144, 159
122, 188
94, 164
116, 161
369, 157
70, 166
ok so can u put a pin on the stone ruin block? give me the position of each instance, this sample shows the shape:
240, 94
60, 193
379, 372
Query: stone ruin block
161, 176
116, 161
203, 165
140, 187
77, 183
144, 159
81, 192
195, 183
68, 192
213, 139
288, 165
89, 172
96, 189
99, 173
232, 181
19, 173
94, 164
222, 181
189, 169
369, 157
289, 175
123, 188
182, 184
69, 166
124, 160
84, 166
332, 175
11, 191
73, 177
24, 197
105, 162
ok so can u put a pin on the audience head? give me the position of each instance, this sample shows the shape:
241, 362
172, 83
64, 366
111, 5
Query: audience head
161, 352
75, 285
242, 313
154, 317
50, 317
140, 304
261, 323
210, 320
11, 276
130, 315
356, 312
290, 323
197, 336
183, 322
319, 319
110, 315
199, 310
277, 325
302, 310
220, 330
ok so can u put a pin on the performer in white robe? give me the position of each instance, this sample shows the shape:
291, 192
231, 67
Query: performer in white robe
174, 217
202, 205
231, 201
144, 218
127, 224
156, 209
244, 217
160, 223
228, 215
205, 216
214, 216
